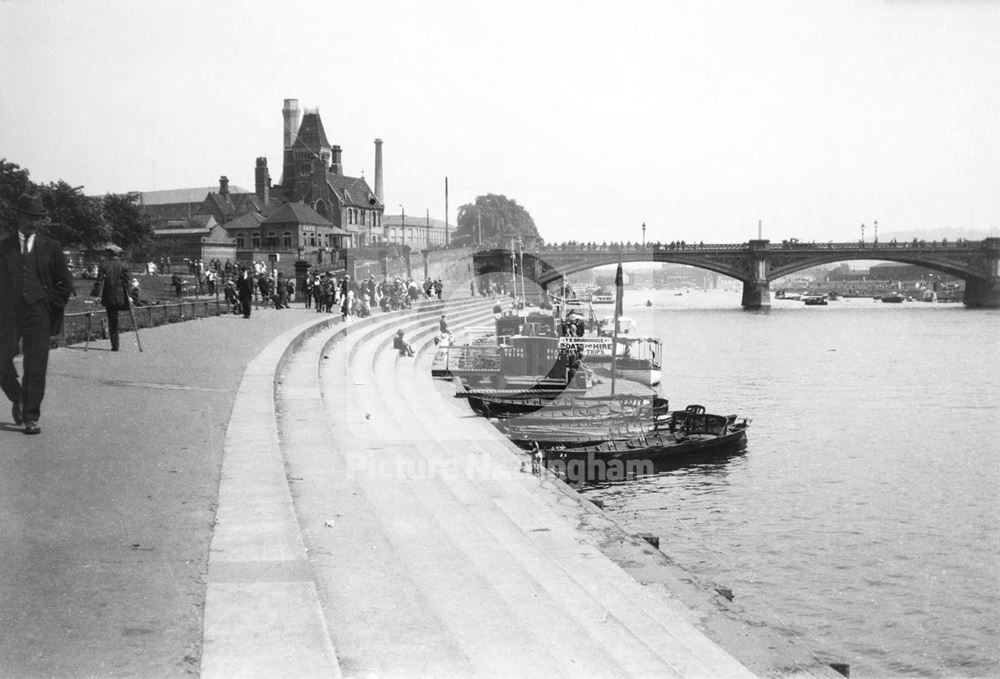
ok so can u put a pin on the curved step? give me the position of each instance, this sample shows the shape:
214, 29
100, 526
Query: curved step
519, 592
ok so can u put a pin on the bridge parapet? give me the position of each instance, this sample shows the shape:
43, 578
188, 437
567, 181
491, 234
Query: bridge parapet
757, 262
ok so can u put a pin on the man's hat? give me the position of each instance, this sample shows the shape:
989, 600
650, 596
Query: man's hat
111, 247
31, 205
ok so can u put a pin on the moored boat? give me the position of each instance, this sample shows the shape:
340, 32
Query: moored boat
691, 431
550, 404
893, 298
814, 300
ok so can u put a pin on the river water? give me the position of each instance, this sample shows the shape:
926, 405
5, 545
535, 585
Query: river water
863, 518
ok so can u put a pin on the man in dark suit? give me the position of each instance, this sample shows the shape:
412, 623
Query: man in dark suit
112, 289
35, 284
244, 289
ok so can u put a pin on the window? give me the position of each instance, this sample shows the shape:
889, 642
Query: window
286, 240
239, 241
255, 241
312, 240
272, 240
392, 234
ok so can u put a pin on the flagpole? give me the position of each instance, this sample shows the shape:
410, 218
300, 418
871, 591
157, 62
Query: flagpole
618, 311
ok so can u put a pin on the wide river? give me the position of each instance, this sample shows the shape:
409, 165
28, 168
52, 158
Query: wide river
864, 517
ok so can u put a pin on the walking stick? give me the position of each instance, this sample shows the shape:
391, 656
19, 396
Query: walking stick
86, 342
131, 313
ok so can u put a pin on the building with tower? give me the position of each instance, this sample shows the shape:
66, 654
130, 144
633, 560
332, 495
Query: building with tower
315, 212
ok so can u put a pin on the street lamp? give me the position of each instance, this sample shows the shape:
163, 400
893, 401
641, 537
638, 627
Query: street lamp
876, 232
862, 235
644, 234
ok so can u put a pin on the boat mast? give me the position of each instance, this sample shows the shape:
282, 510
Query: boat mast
562, 303
618, 312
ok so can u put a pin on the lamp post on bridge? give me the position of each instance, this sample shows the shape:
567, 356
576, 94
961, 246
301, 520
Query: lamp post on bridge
862, 235
644, 234
876, 232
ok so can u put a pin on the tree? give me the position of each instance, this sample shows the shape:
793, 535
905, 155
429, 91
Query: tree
14, 181
75, 219
129, 228
500, 218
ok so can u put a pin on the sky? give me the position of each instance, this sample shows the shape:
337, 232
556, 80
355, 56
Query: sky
695, 117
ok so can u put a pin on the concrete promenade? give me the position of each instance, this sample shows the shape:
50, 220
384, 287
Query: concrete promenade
275, 497
106, 516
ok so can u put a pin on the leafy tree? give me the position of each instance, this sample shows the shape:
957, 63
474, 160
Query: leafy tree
14, 181
76, 219
129, 228
500, 219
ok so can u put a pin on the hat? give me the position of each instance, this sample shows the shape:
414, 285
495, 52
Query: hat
111, 247
31, 205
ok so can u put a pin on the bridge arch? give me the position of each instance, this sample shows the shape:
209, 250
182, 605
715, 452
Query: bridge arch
756, 263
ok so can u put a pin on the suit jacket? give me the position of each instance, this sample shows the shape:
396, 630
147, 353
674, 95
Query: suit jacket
244, 286
113, 279
53, 273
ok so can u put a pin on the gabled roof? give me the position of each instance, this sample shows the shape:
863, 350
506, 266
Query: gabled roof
248, 220
297, 213
234, 203
173, 196
353, 191
311, 133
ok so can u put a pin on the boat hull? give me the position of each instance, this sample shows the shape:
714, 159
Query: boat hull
667, 447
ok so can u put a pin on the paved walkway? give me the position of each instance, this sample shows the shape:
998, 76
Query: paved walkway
106, 516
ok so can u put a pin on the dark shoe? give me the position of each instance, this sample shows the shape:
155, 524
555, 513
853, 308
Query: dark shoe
15, 412
31, 427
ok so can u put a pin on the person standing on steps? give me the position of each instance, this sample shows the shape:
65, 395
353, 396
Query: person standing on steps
35, 284
113, 279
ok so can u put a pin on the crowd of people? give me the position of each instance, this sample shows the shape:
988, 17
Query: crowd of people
356, 299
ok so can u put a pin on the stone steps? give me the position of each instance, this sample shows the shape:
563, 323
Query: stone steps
439, 563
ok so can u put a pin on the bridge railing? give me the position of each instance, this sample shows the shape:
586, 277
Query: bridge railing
792, 244
637, 247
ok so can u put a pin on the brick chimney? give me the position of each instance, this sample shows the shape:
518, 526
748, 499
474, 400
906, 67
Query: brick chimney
262, 180
223, 185
378, 170
291, 115
336, 167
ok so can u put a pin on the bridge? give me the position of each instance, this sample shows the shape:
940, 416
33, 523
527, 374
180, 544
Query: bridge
758, 262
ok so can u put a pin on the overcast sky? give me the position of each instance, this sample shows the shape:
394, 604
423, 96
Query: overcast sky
695, 117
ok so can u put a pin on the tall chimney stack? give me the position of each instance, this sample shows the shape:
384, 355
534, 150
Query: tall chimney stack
378, 170
262, 180
223, 185
291, 115
336, 167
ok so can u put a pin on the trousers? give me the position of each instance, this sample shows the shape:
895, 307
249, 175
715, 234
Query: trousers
29, 326
112, 314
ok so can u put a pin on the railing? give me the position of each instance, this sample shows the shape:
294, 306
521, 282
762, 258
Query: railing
90, 325
576, 248
683, 246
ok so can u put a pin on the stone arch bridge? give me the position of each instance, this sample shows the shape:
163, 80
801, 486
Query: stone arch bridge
758, 262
